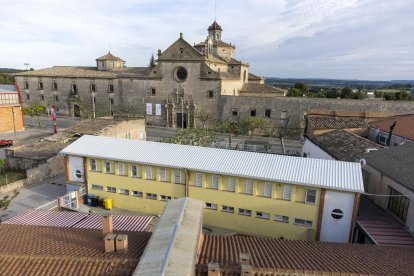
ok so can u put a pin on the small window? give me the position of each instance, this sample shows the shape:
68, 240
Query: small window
56, 98
54, 86
245, 212
108, 167
121, 169
287, 191
163, 174
93, 87
137, 193
135, 171
267, 190
234, 112
177, 177
211, 206
310, 196
281, 218
151, 196
27, 97
97, 187
92, 164
232, 184
253, 112
124, 191
111, 189
111, 101
262, 215
149, 172
40, 85
267, 113
249, 186
42, 98
227, 209
111, 88
153, 91
303, 222
199, 179
74, 89
214, 181
165, 198
210, 94
26, 85
337, 214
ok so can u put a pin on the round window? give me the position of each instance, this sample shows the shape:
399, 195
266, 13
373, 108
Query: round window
337, 213
180, 74
78, 174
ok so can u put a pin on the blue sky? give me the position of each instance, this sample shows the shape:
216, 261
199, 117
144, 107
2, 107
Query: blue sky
349, 39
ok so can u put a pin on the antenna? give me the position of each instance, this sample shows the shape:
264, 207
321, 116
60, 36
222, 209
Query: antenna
27, 65
215, 10
109, 47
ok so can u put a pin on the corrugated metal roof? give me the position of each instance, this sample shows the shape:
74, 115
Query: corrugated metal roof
336, 175
8, 88
79, 220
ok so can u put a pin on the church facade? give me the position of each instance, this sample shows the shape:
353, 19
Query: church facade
183, 89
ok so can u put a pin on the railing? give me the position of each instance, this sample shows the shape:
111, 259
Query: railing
48, 206
69, 200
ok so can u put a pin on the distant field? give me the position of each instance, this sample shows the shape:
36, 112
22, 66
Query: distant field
392, 90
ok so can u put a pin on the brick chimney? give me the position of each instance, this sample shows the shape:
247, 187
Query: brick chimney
107, 225
110, 242
213, 269
244, 258
121, 242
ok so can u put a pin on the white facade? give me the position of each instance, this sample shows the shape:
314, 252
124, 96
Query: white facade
381, 137
76, 169
311, 150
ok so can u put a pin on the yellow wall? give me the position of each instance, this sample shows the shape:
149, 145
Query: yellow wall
274, 205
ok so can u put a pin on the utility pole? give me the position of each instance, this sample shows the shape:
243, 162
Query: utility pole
14, 124
93, 104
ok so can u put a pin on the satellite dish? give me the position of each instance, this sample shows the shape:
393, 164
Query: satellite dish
363, 162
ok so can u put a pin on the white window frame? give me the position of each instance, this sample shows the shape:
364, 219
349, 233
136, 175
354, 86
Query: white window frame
92, 165
121, 168
199, 179
110, 189
303, 222
137, 170
149, 172
249, 186
177, 177
309, 195
245, 212
267, 189
151, 196
231, 186
227, 209
163, 174
97, 187
287, 192
215, 181
262, 215
211, 206
165, 197
123, 191
281, 218
137, 193
108, 163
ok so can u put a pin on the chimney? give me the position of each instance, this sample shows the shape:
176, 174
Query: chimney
121, 243
181, 35
213, 269
244, 258
107, 225
246, 270
110, 242
390, 133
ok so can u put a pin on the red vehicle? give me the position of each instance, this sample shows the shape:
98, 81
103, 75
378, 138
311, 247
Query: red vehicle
6, 143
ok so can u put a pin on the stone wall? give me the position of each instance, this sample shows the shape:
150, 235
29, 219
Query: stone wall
130, 129
5, 189
53, 167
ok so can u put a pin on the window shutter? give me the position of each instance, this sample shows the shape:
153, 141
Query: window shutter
214, 182
267, 190
249, 187
286, 192
163, 174
232, 184
177, 174
199, 178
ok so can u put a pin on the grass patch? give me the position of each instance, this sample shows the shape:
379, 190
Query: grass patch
12, 176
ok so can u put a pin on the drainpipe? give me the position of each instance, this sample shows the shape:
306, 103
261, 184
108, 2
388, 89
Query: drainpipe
390, 133
187, 181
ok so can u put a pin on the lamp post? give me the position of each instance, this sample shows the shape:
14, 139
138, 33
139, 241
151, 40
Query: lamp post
93, 104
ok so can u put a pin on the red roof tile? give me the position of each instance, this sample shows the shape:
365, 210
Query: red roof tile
404, 127
276, 255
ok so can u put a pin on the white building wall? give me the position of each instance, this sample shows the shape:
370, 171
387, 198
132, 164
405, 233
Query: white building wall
311, 150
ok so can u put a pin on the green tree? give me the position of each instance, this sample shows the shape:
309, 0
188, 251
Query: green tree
252, 124
294, 92
231, 128
302, 87
6, 79
35, 109
360, 95
193, 137
333, 93
403, 96
152, 62
2, 165
347, 93
321, 94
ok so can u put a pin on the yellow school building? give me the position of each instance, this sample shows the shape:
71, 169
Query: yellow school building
252, 193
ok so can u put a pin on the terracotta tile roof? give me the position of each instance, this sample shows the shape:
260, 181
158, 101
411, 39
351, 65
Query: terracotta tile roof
254, 77
69, 71
329, 122
289, 256
221, 43
109, 56
228, 75
261, 89
214, 26
403, 128
343, 145
39, 250
91, 126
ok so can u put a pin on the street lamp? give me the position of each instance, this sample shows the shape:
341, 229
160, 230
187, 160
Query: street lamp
93, 104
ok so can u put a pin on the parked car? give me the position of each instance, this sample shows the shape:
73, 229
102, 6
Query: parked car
6, 143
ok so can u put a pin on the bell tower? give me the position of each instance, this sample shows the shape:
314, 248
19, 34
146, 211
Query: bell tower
214, 31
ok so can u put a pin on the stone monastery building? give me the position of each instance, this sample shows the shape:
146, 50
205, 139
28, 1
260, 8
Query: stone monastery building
186, 82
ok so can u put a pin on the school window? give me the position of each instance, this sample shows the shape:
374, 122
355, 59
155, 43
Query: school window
211, 206
303, 222
249, 186
40, 85
177, 177
287, 191
267, 113
232, 184
149, 172
54, 86
153, 91
398, 204
26, 85
97, 187
110, 88
92, 164
121, 169
281, 218
210, 94
234, 112
310, 196
42, 98
56, 98
151, 196
93, 87
267, 190
227, 209
135, 171
245, 212
214, 181
111, 189
253, 112
199, 179
163, 174
137, 193
165, 198
262, 215
108, 167
124, 191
